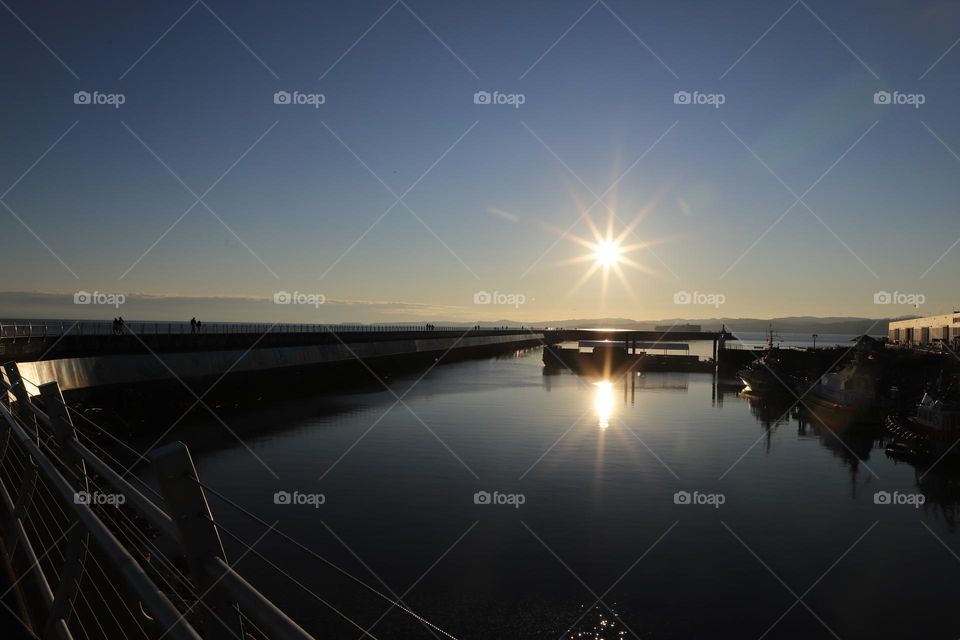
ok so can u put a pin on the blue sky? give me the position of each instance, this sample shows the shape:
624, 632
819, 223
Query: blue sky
297, 199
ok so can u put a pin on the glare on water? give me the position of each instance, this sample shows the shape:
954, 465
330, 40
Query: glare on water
603, 402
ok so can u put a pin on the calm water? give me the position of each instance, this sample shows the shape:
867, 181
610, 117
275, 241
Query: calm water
598, 467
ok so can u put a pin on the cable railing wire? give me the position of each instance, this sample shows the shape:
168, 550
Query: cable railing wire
104, 453
105, 432
393, 602
250, 549
133, 616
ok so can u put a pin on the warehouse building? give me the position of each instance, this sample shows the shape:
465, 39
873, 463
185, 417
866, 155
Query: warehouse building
942, 328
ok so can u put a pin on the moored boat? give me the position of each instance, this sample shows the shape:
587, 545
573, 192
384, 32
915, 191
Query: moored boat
849, 393
935, 427
768, 374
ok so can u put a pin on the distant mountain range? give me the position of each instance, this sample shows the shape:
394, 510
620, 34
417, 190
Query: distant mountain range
791, 324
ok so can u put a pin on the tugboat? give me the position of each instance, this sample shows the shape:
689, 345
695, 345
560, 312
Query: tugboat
935, 428
767, 374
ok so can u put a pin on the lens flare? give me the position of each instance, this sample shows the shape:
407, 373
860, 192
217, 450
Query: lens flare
610, 252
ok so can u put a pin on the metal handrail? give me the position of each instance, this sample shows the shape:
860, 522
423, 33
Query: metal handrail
148, 509
271, 619
34, 429
121, 559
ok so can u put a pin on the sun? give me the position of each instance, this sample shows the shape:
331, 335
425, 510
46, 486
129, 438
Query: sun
607, 253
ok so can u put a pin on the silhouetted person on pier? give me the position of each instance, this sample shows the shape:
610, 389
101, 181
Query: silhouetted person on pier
193, 325
115, 326
120, 326
199, 326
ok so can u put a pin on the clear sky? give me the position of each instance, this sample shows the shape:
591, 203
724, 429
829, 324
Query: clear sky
303, 198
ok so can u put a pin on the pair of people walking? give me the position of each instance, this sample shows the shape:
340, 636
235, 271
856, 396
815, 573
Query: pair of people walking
118, 326
195, 325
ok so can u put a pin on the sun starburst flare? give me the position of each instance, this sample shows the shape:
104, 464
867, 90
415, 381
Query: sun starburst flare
608, 252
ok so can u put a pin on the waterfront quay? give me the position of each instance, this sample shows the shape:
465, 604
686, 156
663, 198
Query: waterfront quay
86, 356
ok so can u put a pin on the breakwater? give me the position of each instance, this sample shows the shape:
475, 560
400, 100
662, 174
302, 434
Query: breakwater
86, 358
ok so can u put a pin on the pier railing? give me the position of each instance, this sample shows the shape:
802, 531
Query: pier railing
43, 329
96, 556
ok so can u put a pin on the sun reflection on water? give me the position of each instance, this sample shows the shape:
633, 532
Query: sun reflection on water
603, 402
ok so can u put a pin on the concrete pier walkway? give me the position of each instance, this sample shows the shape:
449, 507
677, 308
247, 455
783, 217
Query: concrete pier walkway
90, 356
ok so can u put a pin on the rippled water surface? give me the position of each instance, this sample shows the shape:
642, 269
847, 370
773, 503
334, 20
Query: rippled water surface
787, 541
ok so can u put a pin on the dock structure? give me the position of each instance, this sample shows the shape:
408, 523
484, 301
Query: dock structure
635, 338
94, 552
87, 355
